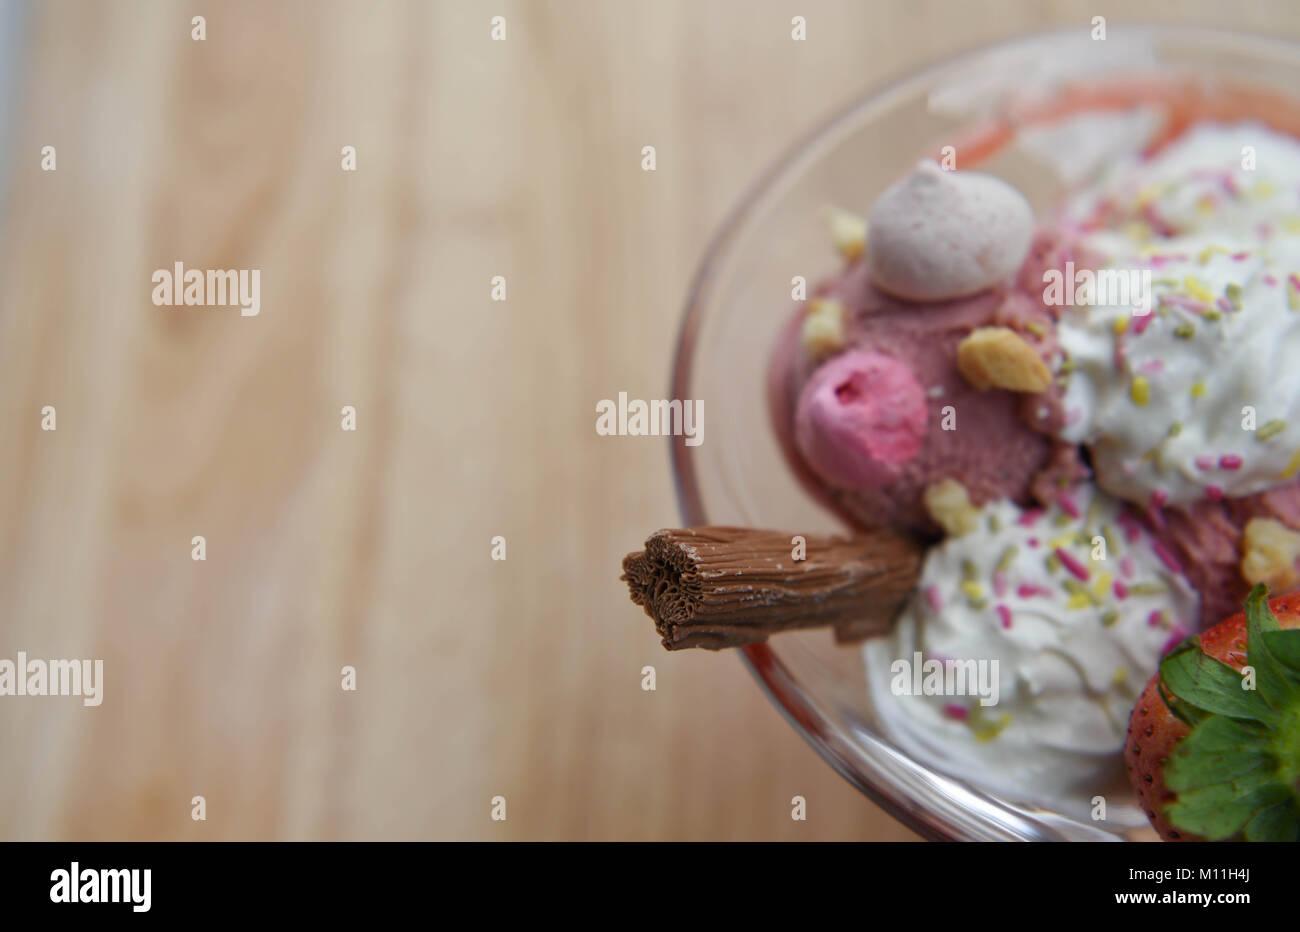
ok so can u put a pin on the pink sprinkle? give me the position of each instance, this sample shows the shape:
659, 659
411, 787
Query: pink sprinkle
1126, 566
1205, 461
1033, 542
1030, 517
958, 712
1230, 461
1240, 256
1077, 569
1153, 620
1141, 322
934, 599
1158, 498
1229, 184
1156, 517
1121, 590
1225, 305
1157, 261
1187, 304
1269, 280
1005, 614
1151, 366
1066, 501
1118, 361
999, 584
1167, 557
1294, 279
1264, 230
1027, 591
1214, 493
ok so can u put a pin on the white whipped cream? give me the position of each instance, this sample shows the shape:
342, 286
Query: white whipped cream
1075, 639
1166, 403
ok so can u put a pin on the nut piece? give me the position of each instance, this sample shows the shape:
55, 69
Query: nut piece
949, 505
998, 357
823, 329
848, 233
1269, 550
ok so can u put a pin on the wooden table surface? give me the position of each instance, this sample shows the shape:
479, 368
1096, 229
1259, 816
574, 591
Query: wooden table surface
476, 678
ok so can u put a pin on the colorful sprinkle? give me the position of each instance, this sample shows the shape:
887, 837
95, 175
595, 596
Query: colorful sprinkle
1140, 390
1198, 389
1167, 557
1027, 591
1077, 569
1000, 584
1004, 614
1292, 466
1030, 517
1230, 461
933, 598
1158, 498
1196, 288
1126, 566
1214, 493
1068, 505
1109, 617
1204, 461
1120, 590
1271, 429
957, 712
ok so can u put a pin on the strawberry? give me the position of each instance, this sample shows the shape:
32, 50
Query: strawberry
1213, 747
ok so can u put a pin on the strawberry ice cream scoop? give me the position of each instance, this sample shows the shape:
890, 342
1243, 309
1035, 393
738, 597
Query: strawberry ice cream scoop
860, 419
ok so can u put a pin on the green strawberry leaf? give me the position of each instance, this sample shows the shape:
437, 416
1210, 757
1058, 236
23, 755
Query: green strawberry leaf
1276, 823
1274, 681
1237, 772
1285, 647
1221, 811
1210, 685
1221, 750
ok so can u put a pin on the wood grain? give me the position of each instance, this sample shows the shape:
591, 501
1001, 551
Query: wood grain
372, 548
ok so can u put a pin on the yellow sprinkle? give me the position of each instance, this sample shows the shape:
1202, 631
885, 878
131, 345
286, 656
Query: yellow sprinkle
1120, 676
1078, 601
1150, 192
972, 589
1292, 466
1063, 541
1291, 224
987, 731
1140, 390
1102, 586
1209, 252
1137, 231
1263, 189
1292, 296
1196, 288
1198, 389
1204, 206
1121, 324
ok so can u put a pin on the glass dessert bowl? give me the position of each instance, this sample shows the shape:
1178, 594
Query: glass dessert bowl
1043, 113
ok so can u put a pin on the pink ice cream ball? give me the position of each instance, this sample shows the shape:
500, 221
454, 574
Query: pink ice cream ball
860, 418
